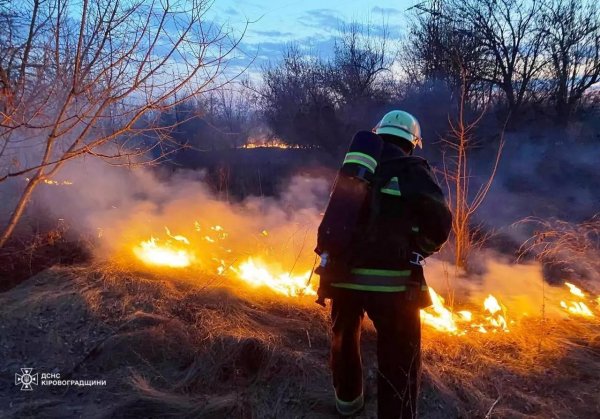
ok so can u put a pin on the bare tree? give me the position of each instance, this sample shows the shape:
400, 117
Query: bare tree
360, 62
235, 114
459, 180
297, 101
511, 34
310, 101
223, 118
78, 79
438, 48
572, 37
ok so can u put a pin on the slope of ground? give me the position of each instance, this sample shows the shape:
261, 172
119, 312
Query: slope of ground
191, 347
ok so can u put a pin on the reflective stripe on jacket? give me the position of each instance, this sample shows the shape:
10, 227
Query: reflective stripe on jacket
381, 280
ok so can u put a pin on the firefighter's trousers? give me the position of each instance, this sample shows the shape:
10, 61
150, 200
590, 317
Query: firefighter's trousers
398, 349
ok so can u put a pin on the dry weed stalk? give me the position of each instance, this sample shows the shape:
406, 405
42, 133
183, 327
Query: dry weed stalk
557, 241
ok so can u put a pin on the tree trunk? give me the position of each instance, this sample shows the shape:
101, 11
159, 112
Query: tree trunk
19, 209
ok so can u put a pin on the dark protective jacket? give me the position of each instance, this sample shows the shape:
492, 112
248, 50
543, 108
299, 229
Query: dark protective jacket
405, 219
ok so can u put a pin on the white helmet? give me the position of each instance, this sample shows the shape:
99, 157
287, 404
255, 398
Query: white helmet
400, 124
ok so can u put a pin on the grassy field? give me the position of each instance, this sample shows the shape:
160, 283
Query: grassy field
197, 346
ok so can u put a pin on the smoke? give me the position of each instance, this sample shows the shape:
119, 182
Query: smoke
121, 207
520, 288
545, 176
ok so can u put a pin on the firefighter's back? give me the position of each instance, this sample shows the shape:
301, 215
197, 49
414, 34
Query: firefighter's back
404, 220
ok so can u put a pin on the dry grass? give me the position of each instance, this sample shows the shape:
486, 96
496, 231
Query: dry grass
210, 347
39, 248
560, 244
240, 340
540, 369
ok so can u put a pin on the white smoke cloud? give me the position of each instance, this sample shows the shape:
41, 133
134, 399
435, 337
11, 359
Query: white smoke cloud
520, 287
125, 206
120, 207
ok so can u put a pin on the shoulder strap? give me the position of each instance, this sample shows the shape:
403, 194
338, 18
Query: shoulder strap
377, 184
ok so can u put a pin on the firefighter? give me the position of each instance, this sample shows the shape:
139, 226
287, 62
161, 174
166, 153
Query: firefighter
404, 220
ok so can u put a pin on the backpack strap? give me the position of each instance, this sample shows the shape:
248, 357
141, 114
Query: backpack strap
377, 184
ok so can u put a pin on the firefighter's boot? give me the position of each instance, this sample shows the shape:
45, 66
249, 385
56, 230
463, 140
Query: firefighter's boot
350, 408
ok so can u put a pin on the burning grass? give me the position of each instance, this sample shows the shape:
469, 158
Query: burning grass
541, 369
179, 252
204, 310
198, 345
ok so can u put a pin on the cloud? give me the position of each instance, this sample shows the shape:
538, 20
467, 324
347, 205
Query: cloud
385, 11
255, 55
273, 33
327, 20
231, 11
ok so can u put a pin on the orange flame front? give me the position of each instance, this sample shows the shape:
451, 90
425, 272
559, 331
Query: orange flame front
258, 274
578, 308
438, 316
443, 319
152, 252
178, 251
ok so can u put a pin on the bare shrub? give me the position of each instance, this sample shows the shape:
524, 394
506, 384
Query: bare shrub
88, 79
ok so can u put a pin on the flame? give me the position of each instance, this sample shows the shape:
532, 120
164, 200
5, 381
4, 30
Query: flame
574, 290
466, 315
56, 182
496, 319
151, 252
491, 304
438, 316
264, 143
443, 319
179, 238
177, 251
577, 307
258, 275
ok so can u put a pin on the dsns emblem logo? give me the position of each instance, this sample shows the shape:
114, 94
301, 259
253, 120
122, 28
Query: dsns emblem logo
26, 379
